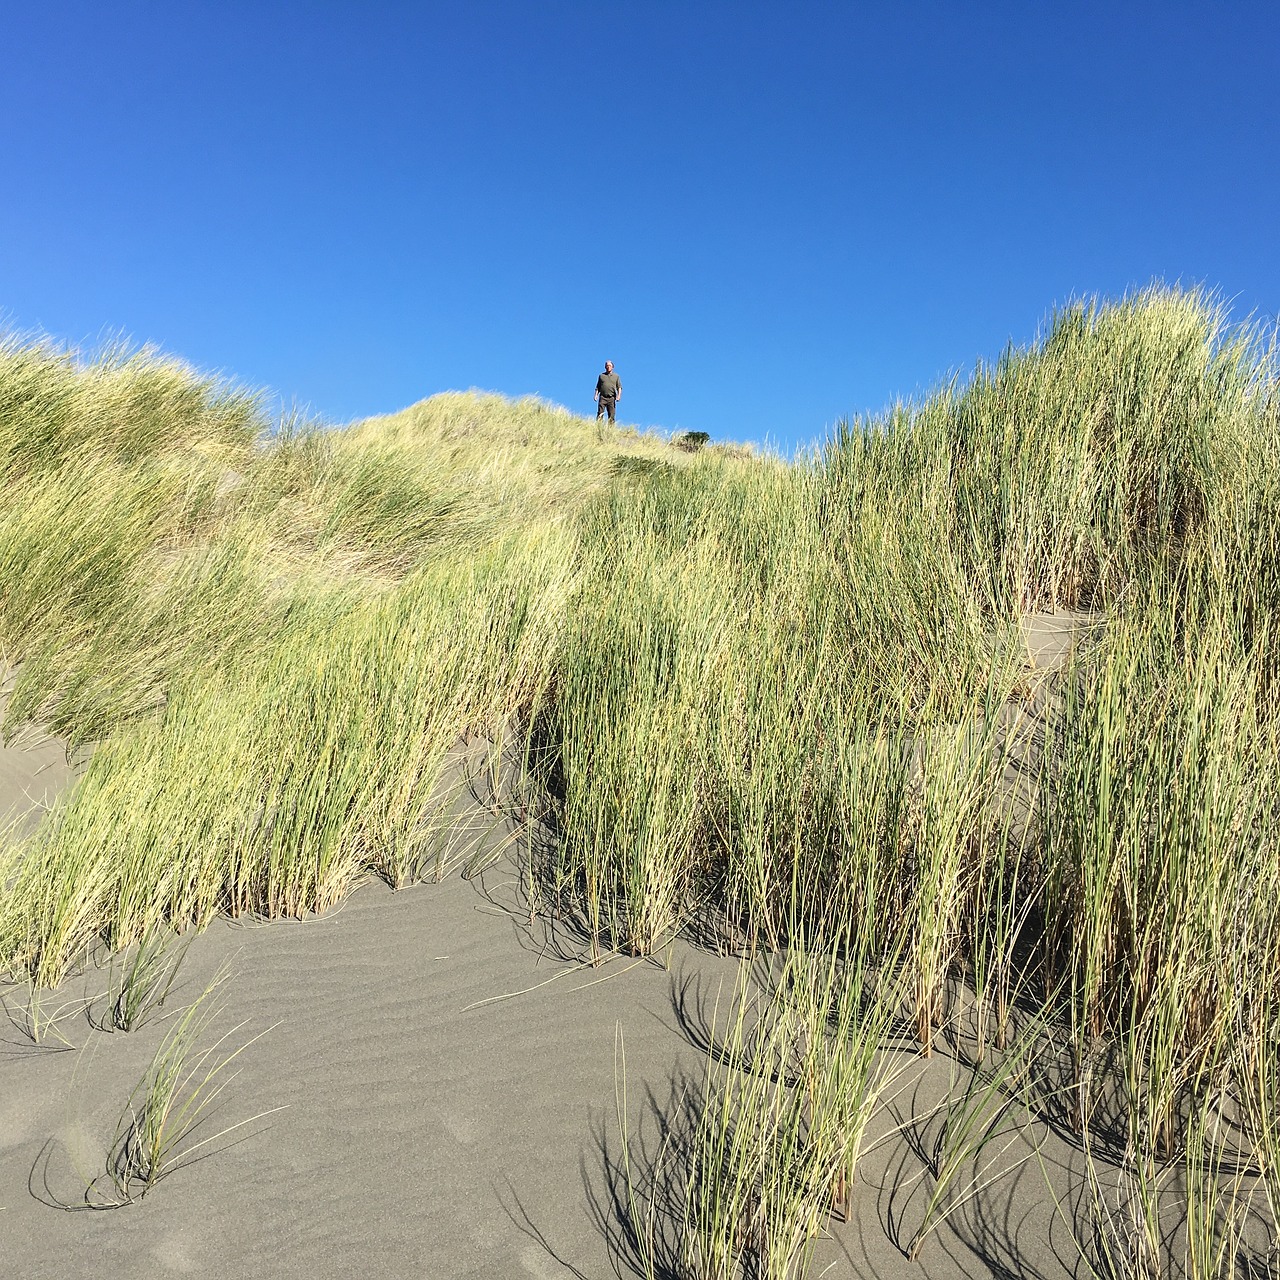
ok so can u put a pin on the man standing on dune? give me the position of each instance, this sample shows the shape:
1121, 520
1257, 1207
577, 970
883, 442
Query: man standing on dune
608, 391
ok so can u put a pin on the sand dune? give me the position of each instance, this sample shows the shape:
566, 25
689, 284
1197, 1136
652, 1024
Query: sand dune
422, 1135
433, 1093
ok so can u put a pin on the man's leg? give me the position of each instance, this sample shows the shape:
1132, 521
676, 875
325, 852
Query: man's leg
600, 408
612, 405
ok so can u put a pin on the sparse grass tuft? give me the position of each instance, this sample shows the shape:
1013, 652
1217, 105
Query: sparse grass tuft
142, 980
164, 1123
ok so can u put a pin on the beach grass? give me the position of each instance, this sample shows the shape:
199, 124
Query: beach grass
165, 1123
781, 706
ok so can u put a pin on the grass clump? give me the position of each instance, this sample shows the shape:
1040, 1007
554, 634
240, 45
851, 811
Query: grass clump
161, 1127
142, 982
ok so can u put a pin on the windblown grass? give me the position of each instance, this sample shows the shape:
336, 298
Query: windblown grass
779, 705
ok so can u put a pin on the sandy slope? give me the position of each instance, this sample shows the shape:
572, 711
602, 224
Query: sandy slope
424, 1133
434, 1123
421, 1135
34, 771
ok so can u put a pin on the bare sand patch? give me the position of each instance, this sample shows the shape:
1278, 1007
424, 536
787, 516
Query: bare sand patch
35, 770
430, 1125
448, 1082
1052, 638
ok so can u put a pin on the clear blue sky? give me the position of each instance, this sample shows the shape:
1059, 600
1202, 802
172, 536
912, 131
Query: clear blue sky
768, 215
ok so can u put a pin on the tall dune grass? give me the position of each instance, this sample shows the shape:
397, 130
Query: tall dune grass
763, 702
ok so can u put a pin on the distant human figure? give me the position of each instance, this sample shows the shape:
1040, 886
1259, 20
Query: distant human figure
608, 392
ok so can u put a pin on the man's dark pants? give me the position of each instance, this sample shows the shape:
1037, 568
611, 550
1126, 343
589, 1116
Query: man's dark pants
606, 402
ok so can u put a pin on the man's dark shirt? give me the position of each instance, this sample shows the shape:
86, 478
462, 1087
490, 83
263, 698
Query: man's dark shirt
609, 385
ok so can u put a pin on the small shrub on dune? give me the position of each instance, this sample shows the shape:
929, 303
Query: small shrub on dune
691, 441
